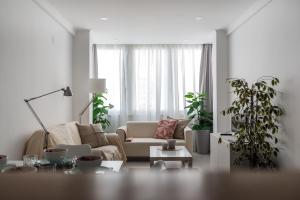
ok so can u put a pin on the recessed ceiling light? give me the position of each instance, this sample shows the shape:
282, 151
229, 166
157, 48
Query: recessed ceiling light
199, 18
104, 18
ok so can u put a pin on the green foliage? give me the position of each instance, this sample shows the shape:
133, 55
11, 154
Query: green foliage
256, 118
196, 110
100, 110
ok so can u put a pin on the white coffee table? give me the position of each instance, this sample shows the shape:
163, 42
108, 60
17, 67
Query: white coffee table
179, 154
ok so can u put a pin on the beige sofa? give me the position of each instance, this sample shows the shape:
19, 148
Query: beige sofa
142, 138
67, 133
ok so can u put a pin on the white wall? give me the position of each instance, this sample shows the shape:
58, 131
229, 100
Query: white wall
269, 44
220, 87
80, 75
35, 58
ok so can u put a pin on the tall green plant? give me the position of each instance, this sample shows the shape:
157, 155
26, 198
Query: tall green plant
196, 110
256, 118
100, 110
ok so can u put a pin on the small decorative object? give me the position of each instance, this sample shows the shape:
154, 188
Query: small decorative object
171, 144
30, 160
3, 160
88, 162
164, 146
202, 121
55, 155
257, 121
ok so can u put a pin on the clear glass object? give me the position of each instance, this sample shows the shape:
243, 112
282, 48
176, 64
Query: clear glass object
30, 160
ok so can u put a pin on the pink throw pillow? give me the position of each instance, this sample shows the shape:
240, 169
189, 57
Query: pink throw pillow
165, 129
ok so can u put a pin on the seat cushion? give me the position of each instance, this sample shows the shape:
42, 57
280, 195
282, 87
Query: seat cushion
108, 152
139, 147
152, 141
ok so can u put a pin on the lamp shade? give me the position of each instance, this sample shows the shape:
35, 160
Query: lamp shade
97, 85
67, 92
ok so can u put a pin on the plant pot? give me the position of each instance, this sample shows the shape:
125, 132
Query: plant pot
201, 141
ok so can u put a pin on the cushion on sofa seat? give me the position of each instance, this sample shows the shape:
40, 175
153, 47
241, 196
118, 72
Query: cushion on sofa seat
152, 141
108, 152
139, 147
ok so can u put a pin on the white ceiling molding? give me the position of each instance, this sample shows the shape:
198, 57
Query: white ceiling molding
256, 8
55, 15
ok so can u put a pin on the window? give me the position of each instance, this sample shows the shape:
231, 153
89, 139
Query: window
148, 82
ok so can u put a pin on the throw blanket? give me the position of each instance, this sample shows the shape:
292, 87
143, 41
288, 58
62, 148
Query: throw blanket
113, 151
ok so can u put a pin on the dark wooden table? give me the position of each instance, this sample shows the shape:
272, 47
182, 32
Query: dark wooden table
144, 185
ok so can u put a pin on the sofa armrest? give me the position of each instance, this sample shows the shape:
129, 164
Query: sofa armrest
122, 133
114, 139
188, 137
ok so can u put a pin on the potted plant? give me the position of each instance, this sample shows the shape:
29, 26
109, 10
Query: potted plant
202, 120
100, 110
256, 117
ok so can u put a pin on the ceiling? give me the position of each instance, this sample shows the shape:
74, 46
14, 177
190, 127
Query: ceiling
151, 21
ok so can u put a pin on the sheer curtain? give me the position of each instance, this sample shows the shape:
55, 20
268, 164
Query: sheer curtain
148, 82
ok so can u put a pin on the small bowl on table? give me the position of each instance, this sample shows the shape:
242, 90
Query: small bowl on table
3, 160
55, 155
88, 162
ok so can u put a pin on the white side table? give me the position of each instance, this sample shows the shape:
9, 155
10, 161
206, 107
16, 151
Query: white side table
221, 155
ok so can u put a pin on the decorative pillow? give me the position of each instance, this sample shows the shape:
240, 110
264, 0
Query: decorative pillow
181, 124
92, 134
165, 129
102, 139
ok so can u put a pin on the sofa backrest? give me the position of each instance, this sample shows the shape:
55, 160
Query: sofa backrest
140, 129
66, 133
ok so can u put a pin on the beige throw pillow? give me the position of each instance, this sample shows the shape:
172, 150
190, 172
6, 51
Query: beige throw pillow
181, 124
92, 134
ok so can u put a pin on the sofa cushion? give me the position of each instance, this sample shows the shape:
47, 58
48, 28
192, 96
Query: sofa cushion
60, 134
165, 129
108, 152
181, 124
141, 129
139, 147
72, 128
92, 134
152, 141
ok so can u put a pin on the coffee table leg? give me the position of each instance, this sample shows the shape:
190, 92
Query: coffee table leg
183, 164
151, 162
190, 163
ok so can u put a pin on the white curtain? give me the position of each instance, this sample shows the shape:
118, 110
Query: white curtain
148, 82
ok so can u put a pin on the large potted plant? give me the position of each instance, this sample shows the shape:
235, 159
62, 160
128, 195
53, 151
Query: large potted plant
202, 121
256, 117
100, 110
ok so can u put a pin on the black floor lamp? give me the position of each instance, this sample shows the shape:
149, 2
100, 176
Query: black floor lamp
66, 92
